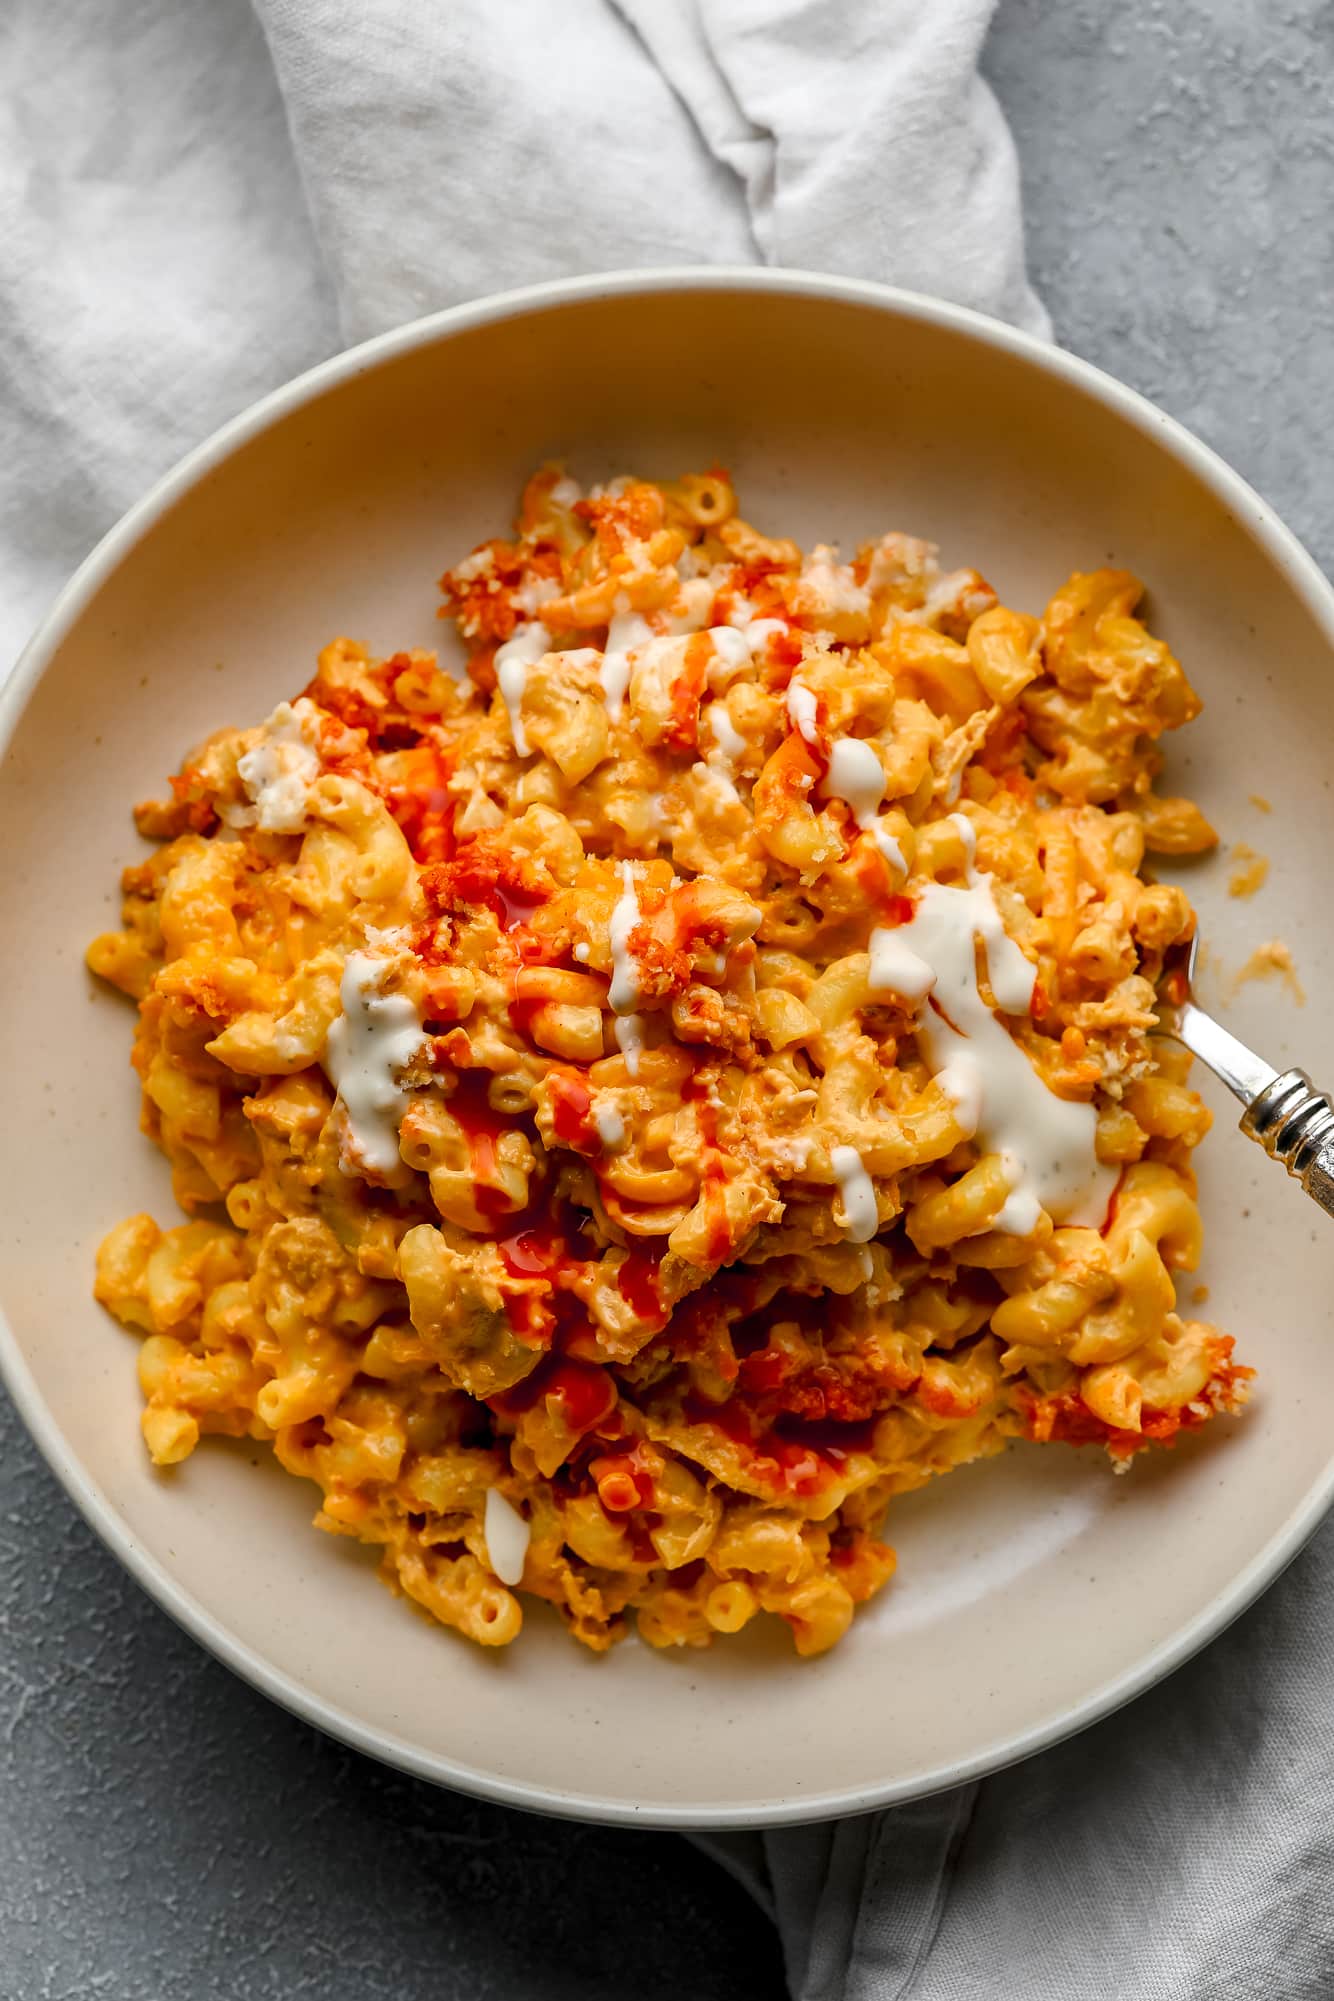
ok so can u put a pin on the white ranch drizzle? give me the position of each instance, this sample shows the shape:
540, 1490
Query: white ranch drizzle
802, 711
694, 603
375, 1037
896, 968
857, 1189
627, 631
1046, 1143
888, 846
718, 766
534, 592
833, 582
624, 990
731, 744
855, 773
506, 1533
944, 593
722, 781
513, 661
609, 1123
756, 632
566, 492
481, 563
279, 771
630, 1039
733, 653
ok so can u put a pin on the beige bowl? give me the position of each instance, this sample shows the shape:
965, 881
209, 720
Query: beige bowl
1034, 1593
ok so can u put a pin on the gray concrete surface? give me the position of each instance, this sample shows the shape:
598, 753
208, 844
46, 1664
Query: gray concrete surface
1178, 168
166, 1834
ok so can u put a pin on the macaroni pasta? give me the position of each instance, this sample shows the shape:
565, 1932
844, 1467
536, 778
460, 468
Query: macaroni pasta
648, 1099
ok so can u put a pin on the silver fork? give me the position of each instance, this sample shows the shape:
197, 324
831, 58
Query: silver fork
1283, 1110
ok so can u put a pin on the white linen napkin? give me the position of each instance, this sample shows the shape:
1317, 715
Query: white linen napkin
1182, 1850
198, 198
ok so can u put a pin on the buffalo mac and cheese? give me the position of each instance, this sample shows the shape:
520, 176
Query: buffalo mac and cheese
650, 1098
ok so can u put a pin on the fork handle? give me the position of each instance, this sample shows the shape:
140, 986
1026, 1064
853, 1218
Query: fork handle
1295, 1123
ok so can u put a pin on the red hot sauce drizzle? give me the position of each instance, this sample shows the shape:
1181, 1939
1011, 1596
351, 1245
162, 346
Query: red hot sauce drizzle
713, 1180
572, 1110
637, 1280
419, 800
585, 1393
796, 1454
482, 1126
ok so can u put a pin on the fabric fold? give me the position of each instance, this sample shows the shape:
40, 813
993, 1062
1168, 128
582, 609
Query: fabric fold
1181, 1850
451, 152
863, 134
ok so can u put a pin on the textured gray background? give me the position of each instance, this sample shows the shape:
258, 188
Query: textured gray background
164, 1832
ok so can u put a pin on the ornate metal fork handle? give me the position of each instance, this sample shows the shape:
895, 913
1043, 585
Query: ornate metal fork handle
1292, 1120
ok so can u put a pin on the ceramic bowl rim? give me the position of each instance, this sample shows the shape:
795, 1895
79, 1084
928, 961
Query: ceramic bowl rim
1302, 577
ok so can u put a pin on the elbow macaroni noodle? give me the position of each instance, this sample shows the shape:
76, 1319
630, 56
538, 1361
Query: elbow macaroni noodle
649, 1099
